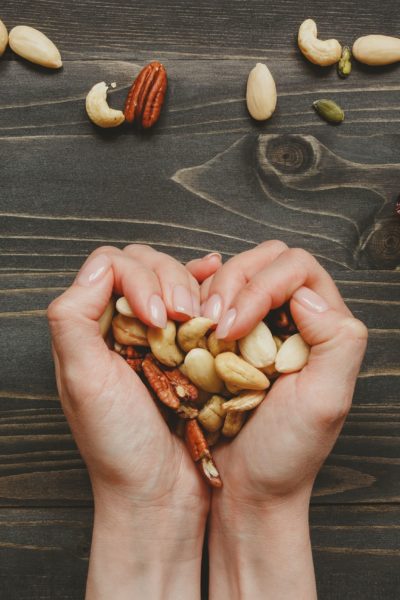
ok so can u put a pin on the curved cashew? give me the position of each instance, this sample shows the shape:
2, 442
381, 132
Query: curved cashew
163, 346
377, 49
317, 51
123, 307
129, 332
244, 401
200, 368
292, 355
217, 346
106, 318
258, 347
98, 110
212, 414
191, 333
236, 371
233, 423
3, 37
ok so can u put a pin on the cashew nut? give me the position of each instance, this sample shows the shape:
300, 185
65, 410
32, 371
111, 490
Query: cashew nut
217, 346
129, 332
292, 355
233, 423
377, 49
106, 318
258, 347
123, 307
163, 345
3, 37
212, 414
236, 371
98, 110
244, 401
191, 333
200, 368
317, 51
261, 93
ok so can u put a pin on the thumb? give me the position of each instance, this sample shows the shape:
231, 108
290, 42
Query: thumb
202, 268
338, 342
73, 316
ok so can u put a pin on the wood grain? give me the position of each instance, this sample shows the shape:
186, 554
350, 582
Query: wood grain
206, 178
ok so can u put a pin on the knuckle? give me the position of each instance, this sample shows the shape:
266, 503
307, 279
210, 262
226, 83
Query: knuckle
300, 256
277, 245
138, 248
105, 250
57, 310
255, 289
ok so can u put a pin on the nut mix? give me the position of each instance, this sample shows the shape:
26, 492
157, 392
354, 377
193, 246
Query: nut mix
209, 385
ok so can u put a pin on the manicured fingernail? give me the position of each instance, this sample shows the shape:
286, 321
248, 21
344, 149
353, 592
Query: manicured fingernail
310, 300
213, 308
182, 300
158, 312
225, 324
196, 305
93, 270
212, 255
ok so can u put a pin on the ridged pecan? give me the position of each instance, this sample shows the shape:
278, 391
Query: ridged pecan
146, 96
200, 452
184, 389
159, 382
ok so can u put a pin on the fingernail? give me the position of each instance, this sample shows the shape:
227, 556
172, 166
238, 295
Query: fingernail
213, 308
182, 300
212, 255
310, 300
93, 270
158, 312
225, 324
196, 306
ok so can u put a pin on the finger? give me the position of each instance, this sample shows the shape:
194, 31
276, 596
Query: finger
338, 342
202, 268
181, 297
272, 287
236, 273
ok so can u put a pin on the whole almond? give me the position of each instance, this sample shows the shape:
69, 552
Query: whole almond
261, 93
34, 46
258, 347
123, 307
292, 355
377, 49
3, 37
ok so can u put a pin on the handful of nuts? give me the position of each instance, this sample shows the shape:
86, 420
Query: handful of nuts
209, 385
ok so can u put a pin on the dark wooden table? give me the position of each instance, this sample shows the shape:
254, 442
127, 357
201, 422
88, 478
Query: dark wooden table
206, 178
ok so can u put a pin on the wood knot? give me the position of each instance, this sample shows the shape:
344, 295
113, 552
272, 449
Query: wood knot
383, 248
289, 153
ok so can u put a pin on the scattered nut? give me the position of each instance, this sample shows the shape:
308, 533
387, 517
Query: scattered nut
123, 307
163, 346
233, 423
261, 93
236, 371
244, 401
377, 49
344, 64
217, 346
200, 368
98, 110
3, 37
212, 414
278, 342
191, 333
106, 318
146, 96
319, 52
329, 110
258, 347
292, 355
129, 331
34, 46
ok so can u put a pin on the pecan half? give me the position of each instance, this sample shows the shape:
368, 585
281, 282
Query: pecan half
159, 382
135, 364
146, 96
200, 452
184, 389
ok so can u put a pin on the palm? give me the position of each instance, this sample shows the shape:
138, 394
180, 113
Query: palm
131, 445
279, 446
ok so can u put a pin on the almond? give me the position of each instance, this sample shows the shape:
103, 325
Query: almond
3, 38
34, 46
292, 355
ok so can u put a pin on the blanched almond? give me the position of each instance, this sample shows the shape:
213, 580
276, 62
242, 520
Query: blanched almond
34, 46
258, 347
292, 355
3, 37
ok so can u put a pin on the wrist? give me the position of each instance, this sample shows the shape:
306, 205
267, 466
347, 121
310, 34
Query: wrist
136, 549
263, 548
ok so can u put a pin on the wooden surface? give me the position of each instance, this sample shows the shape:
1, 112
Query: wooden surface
206, 178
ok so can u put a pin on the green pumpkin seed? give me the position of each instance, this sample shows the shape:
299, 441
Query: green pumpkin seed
329, 110
344, 64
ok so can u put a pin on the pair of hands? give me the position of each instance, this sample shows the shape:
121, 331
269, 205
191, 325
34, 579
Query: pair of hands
145, 486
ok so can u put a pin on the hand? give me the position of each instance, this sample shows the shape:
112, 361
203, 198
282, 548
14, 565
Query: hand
269, 469
150, 502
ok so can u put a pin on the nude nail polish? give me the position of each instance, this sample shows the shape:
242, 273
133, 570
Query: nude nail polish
93, 270
225, 325
158, 312
310, 300
213, 308
182, 300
